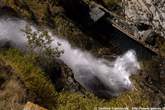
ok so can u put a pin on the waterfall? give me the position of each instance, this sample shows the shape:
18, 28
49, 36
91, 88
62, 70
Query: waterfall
104, 78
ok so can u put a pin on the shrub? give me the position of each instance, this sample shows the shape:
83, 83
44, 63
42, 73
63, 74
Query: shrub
41, 41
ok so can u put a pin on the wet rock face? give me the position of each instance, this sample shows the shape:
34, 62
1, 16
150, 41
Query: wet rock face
151, 12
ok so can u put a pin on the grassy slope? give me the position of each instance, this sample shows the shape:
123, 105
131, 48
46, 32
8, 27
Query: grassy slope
39, 87
43, 92
8, 86
74, 101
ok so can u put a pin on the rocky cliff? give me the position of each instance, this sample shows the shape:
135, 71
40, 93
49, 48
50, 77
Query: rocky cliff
148, 12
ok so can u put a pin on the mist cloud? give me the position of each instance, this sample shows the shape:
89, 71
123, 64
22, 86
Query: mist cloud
100, 76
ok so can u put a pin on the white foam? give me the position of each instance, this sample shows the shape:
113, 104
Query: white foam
98, 75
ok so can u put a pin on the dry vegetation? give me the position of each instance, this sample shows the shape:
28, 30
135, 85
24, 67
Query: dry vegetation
11, 91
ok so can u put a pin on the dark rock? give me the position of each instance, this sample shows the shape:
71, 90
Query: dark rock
142, 26
78, 11
151, 38
8, 11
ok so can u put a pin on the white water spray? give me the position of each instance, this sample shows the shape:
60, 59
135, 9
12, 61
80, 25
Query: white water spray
102, 77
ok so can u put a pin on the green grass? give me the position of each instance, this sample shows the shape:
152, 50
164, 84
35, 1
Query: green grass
75, 101
42, 91
39, 87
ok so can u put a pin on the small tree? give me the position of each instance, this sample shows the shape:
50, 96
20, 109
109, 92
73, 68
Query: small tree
41, 50
39, 41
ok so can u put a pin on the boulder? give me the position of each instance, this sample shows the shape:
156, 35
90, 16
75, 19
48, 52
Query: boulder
32, 106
